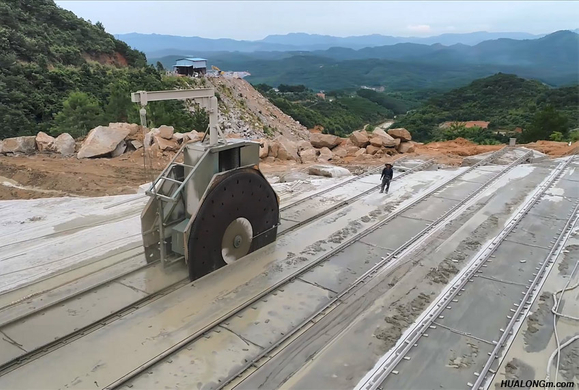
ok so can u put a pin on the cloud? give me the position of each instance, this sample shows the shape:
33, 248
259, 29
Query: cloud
419, 27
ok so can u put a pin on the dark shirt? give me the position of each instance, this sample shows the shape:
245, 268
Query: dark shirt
387, 173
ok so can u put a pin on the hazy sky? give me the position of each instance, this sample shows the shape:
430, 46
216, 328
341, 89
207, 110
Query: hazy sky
256, 19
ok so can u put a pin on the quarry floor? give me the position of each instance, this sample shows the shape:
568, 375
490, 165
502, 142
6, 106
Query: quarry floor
46, 242
42, 175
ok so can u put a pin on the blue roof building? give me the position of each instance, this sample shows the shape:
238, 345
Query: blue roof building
190, 66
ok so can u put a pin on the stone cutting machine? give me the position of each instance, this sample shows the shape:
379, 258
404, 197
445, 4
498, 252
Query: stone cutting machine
215, 206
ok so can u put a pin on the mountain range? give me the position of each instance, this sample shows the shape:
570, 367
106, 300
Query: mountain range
156, 45
552, 59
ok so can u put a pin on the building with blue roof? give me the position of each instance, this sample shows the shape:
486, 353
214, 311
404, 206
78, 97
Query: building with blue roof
190, 66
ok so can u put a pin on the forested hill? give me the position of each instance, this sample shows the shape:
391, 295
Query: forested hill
61, 73
506, 101
37, 31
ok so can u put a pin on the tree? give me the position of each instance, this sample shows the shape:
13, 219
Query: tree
80, 113
160, 67
545, 123
119, 103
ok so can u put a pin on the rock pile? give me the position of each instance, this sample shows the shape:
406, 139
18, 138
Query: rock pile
322, 148
117, 139
102, 141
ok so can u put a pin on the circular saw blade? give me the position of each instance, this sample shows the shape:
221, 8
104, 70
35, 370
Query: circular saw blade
236, 240
219, 234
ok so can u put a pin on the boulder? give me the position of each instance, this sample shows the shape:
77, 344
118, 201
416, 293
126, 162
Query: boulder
360, 139
286, 149
133, 128
25, 145
352, 149
64, 144
1, 146
148, 139
44, 142
304, 145
325, 155
179, 137
309, 155
164, 132
365, 157
102, 140
264, 150
165, 144
376, 141
371, 149
137, 144
360, 152
324, 140
194, 136
340, 151
400, 133
120, 149
387, 140
328, 171
406, 147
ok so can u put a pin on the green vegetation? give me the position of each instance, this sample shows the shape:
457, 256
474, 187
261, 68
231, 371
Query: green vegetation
396, 105
340, 116
80, 113
59, 73
506, 101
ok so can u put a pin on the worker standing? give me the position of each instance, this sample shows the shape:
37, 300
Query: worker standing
387, 174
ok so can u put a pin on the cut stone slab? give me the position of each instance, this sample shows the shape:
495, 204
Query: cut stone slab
102, 140
137, 144
328, 171
64, 144
44, 142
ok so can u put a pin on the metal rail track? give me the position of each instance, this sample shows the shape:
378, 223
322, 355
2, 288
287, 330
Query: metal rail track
389, 261
338, 185
4, 323
43, 350
346, 202
121, 381
397, 354
148, 265
525, 304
